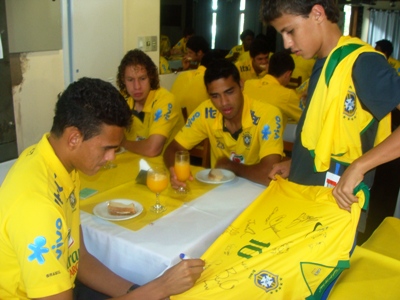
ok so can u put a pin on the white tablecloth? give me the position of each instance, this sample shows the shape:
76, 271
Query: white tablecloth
140, 256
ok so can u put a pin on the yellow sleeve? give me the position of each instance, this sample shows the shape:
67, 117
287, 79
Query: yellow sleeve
166, 114
195, 129
271, 131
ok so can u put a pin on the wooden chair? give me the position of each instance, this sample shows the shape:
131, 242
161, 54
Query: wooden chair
201, 150
294, 82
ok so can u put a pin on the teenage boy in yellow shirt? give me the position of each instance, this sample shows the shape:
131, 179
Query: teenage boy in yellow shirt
245, 134
272, 87
42, 250
344, 108
156, 115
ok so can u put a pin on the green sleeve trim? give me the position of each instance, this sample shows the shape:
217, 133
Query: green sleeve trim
337, 56
333, 275
368, 126
363, 187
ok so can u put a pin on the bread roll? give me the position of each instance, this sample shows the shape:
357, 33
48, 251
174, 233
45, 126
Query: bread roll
215, 175
117, 208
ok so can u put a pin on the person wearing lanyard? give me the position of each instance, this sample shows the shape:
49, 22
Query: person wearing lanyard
345, 114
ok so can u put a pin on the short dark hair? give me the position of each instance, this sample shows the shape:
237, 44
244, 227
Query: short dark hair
221, 68
386, 47
273, 9
137, 57
245, 33
210, 56
279, 63
87, 104
188, 31
197, 43
259, 46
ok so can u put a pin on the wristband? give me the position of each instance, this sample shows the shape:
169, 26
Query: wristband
133, 287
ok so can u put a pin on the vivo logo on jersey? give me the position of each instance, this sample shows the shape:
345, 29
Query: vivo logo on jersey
191, 119
277, 131
168, 114
59, 242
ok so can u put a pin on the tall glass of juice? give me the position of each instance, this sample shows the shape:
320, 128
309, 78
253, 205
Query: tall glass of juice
182, 168
157, 181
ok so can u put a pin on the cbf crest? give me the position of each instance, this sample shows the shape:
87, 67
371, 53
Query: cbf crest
267, 281
247, 139
72, 200
349, 105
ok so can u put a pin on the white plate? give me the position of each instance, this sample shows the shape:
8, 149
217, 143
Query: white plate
101, 210
203, 176
120, 150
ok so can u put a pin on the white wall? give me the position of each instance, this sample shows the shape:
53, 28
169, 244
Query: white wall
43, 72
35, 97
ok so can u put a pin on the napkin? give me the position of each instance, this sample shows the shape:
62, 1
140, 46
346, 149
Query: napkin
143, 168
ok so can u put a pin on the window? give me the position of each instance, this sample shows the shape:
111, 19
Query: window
241, 18
347, 18
214, 23
214, 8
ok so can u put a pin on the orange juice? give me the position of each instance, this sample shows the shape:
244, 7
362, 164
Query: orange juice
182, 170
157, 182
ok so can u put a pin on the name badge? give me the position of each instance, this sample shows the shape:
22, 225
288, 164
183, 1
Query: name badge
331, 179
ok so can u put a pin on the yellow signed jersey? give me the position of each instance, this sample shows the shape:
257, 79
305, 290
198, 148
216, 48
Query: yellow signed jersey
290, 243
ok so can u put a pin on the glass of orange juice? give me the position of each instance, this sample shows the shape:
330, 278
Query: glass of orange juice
182, 168
157, 181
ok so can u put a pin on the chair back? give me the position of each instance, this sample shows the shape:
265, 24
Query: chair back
201, 150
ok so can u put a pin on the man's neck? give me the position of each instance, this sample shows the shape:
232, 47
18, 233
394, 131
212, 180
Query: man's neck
138, 105
332, 34
234, 124
60, 149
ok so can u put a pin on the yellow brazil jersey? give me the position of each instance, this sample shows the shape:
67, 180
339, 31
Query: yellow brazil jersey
179, 87
246, 70
302, 67
244, 56
236, 49
162, 115
261, 132
189, 88
165, 45
395, 64
181, 46
164, 66
269, 90
290, 243
39, 226
335, 118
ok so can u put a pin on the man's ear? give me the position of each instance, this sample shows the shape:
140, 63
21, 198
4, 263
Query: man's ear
318, 13
74, 137
288, 74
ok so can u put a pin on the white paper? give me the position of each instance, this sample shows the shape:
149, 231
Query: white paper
144, 165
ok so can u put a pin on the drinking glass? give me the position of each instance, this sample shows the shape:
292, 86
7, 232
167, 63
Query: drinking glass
182, 169
157, 181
